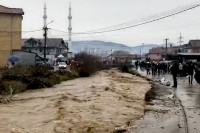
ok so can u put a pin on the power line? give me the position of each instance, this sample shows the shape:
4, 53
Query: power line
148, 18
58, 30
150, 31
153, 19
19, 31
139, 22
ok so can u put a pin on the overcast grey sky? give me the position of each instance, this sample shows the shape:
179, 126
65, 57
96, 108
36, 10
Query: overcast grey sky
95, 14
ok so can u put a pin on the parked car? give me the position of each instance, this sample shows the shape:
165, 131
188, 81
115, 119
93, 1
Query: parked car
62, 65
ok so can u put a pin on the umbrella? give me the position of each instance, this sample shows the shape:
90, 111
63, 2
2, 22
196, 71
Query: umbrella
60, 56
13, 58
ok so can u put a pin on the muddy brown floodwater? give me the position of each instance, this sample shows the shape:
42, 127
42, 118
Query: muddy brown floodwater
101, 103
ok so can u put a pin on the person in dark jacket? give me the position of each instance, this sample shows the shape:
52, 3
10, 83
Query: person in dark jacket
148, 66
197, 73
190, 72
174, 71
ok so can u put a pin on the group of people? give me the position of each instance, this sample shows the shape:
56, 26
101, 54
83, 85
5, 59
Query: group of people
176, 68
154, 68
188, 68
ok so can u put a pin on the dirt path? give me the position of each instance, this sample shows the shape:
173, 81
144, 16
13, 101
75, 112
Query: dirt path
100, 104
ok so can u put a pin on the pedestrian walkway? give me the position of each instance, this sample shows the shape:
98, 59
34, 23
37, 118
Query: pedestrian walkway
189, 95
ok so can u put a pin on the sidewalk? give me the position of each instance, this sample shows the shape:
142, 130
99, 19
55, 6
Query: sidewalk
183, 113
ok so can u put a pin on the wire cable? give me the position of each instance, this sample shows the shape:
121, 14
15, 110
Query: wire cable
149, 21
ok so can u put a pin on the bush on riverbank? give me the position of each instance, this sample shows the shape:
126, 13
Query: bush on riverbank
22, 78
89, 64
150, 95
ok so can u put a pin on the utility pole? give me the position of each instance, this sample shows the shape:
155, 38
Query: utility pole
166, 48
45, 32
69, 31
180, 39
111, 56
166, 45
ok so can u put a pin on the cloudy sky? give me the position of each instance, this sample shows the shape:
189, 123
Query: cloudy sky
94, 14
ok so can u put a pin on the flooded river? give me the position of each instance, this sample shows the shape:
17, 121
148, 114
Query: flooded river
101, 103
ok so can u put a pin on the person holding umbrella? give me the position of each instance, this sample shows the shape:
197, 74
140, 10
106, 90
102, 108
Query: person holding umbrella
13, 59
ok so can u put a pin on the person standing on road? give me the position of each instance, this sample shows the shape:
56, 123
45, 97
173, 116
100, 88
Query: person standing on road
197, 73
190, 72
136, 64
180, 69
174, 71
148, 66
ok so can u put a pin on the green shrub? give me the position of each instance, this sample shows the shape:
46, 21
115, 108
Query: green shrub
64, 77
17, 87
36, 83
89, 64
23, 78
134, 72
150, 95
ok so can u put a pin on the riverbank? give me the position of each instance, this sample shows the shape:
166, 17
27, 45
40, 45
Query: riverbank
173, 110
19, 79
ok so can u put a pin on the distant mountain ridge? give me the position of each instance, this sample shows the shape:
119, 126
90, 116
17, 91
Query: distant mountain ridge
78, 46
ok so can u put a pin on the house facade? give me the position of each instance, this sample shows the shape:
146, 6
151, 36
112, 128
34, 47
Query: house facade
193, 46
190, 51
55, 47
118, 57
159, 53
10, 32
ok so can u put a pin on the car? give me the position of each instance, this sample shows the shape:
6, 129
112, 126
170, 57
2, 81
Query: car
62, 65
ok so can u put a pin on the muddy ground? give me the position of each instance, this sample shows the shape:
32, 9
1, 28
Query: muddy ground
101, 103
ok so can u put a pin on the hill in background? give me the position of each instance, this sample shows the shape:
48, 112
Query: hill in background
107, 47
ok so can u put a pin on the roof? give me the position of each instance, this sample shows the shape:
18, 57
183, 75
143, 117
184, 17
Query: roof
154, 53
162, 50
23, 41
20, 51
189, 54
194, 43
51, 42
7, 10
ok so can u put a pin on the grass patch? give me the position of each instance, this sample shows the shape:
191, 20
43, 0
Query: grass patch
17, 87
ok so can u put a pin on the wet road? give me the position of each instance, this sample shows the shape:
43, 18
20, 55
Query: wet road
189, 95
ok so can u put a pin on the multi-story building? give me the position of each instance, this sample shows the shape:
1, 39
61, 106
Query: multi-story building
193, 46
55, 47
10, 32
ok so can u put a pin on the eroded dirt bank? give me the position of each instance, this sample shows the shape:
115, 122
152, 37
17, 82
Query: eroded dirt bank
101, 103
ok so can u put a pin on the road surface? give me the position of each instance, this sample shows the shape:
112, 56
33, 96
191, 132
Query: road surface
184, 113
